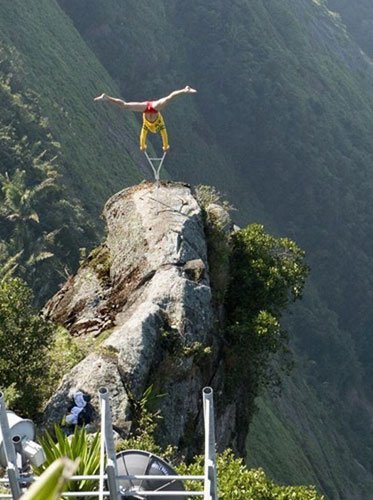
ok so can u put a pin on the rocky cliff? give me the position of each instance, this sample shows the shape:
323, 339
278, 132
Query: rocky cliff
144, 295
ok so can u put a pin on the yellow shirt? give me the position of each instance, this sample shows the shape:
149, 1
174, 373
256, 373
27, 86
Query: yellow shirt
157, 125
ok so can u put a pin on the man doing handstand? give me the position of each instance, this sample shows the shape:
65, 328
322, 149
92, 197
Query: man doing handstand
152, 119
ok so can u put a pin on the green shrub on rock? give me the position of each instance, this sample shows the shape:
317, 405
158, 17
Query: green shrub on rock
267, 274
237, 482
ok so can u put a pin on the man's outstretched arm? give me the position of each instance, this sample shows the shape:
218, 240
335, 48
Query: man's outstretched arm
162, 103
132, 106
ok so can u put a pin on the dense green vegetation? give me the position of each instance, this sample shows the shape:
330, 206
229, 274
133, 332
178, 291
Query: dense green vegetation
79, 446
24, 341
41, 229
35, 354
64, 76
236, 481
51, 149
267, 274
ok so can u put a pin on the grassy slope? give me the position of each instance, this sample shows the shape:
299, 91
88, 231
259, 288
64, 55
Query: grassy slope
66, 76
296, 436
307, 154
358, 17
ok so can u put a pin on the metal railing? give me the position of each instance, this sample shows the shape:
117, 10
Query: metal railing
108, 478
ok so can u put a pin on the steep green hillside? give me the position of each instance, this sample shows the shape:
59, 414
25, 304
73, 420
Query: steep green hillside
282, 123
61, 154
297, 436
63, 75
358, 17
40, 230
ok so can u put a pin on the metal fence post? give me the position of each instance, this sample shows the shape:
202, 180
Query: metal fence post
210, 489
107, 432
9, 451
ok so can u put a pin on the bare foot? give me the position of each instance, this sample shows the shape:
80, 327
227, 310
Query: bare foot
101, 97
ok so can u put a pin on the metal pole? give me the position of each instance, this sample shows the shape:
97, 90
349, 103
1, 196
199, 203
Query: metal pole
152, 494
20, 455
9, 451
210, 455
111, 464
84, 494
102, 451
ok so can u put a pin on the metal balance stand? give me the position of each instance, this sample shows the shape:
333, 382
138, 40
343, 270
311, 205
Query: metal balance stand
108, 478
156, 167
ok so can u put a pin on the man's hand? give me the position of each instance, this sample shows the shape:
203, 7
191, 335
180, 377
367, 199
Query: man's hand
189, 90
102, 97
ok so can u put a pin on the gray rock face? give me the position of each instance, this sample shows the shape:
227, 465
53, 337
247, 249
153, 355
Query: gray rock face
145, 297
